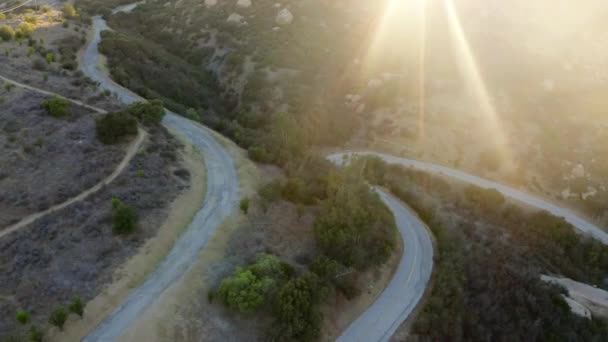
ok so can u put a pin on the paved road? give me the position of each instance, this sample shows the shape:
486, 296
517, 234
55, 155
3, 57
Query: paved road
220, 199
380, 321
580, 224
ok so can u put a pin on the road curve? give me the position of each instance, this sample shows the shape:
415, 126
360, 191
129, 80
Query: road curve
580, 224
220, 199
405, 290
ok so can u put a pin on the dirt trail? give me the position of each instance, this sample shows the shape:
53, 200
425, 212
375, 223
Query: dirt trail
134, 146
50, 93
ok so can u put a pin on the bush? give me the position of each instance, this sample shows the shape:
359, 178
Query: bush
353, 226
244, 205
297, 313
23, 316
39, 64
124, 219
250, 288
35, 335
113, 127
76, 306
6, 33
25, 30
270, 192
56, 107
58, 317
243, 291
69, 11
148, 113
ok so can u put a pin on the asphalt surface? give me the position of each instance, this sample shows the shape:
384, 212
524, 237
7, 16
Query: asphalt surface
405, 290
220, 199
579, 223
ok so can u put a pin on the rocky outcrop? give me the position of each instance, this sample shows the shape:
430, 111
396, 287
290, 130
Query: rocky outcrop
243, 3
284, 17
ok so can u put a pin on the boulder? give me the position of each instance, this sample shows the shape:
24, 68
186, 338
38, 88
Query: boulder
210, 3
235, 18
243, 3
578, 171
284, 17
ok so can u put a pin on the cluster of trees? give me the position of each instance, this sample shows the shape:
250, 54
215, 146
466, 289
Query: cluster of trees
354, 232
487, 281
272, 285
353, 226
152, 72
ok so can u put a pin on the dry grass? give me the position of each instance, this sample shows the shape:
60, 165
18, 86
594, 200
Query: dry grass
134, 271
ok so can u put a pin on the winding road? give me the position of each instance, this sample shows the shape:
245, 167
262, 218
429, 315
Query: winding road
580, 224
405, 290
382, 318
220, 199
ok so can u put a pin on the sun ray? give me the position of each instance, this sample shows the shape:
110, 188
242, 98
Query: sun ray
472, 75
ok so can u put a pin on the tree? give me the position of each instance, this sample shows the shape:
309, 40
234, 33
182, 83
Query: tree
56, 107
76, 306
112, 127
23, 316
6, 33
58, 317
242, 292
249, 288
296, 310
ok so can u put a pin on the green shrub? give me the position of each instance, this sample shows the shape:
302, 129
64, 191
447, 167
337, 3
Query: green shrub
25, 30
297, 312
113, 127
124, 219
6, 32
31, 19
69, 11
23, 316
353, 226
35, 335
243, 291
148, 113
56, 107
244, 205
50, 58
58, 317
76, 306
250, 288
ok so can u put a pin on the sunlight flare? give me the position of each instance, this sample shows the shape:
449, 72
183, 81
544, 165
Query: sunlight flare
474, 81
